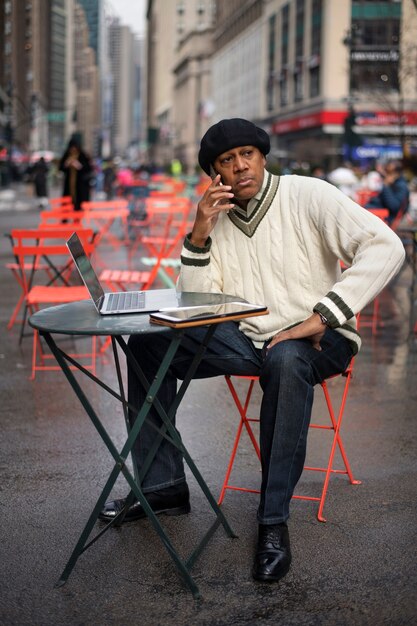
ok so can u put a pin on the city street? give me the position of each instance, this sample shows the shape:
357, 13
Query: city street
357, 569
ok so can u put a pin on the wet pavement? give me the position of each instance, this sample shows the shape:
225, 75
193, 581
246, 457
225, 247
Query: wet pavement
357, 568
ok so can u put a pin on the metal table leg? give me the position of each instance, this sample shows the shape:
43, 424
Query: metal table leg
167, 431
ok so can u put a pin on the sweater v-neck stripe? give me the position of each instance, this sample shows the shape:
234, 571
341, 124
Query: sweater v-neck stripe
249, 223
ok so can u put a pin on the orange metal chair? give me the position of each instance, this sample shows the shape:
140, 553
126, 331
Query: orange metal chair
60, 201
160, 235
383, 214
15, 268
33, 246
61, 216
103, 215
364, 195
373, 320
31, 268
333, 425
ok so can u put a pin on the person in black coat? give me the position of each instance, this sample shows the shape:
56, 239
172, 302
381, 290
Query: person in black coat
78, 171
39, 177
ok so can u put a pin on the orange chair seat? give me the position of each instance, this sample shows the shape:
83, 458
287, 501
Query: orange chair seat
26, 266
125, 276
56, 295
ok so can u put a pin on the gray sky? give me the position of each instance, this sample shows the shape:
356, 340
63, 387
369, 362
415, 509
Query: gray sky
132, 13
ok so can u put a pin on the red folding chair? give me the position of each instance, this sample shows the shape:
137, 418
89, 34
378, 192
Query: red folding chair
32, 247
103, 215
160, 236
333, 424
364, 195
60, 202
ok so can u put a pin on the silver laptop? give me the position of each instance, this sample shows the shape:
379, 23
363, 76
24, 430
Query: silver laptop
116, 302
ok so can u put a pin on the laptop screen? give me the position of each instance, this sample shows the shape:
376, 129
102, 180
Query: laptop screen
85, 268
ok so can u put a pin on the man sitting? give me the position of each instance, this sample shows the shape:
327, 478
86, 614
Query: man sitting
276, 241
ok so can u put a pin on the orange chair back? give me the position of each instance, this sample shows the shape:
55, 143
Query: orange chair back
30, 246
104, 204
383, 214
364, 195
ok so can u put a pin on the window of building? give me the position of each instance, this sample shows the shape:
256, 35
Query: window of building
299, 29
271, 63
285, 20
376, 76
283, 84
298, 84
299, 50
315, 51
283, 79
314, 81
374, 45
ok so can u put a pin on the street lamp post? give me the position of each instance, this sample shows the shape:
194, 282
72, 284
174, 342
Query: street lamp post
8, 134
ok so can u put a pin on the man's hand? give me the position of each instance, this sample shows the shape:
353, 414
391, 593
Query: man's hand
215, 199
312, 328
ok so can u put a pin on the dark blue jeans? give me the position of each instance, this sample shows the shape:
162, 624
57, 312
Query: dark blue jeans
288, 373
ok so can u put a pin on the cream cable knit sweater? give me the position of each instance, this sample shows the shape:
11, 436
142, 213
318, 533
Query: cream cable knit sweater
287, 256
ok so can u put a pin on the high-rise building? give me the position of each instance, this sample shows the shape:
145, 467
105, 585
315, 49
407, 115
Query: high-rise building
87, 84
179, 100
121, 42
97, 16
58, 113
24, 73
93, 10
34, 79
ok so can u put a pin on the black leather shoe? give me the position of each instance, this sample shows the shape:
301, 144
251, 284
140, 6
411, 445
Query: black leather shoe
273, 554
170, 501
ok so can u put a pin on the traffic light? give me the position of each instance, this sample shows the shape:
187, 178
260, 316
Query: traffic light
350, 137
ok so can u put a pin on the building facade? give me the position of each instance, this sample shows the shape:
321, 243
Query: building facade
327, 61
24, 64
329, 80
57, 78
87, 111
122, 67
179, 102
34, 73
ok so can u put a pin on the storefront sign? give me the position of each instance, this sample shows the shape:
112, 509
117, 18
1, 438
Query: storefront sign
385, 118
375, 56
377, 152
309, 121
363, 119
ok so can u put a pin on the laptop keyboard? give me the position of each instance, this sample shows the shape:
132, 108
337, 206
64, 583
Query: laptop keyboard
126, 301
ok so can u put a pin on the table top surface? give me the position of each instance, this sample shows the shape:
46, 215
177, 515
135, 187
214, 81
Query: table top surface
81, 318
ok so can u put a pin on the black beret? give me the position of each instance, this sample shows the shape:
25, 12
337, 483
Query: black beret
229, 134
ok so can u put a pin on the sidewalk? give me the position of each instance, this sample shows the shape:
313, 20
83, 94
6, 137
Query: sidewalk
358, 569
21, 197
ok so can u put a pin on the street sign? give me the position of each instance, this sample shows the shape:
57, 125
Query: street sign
56, 116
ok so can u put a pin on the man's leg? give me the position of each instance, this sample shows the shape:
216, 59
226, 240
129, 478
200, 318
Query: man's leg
288, 374
229, 352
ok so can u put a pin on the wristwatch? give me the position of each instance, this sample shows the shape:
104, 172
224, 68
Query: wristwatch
324, 320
